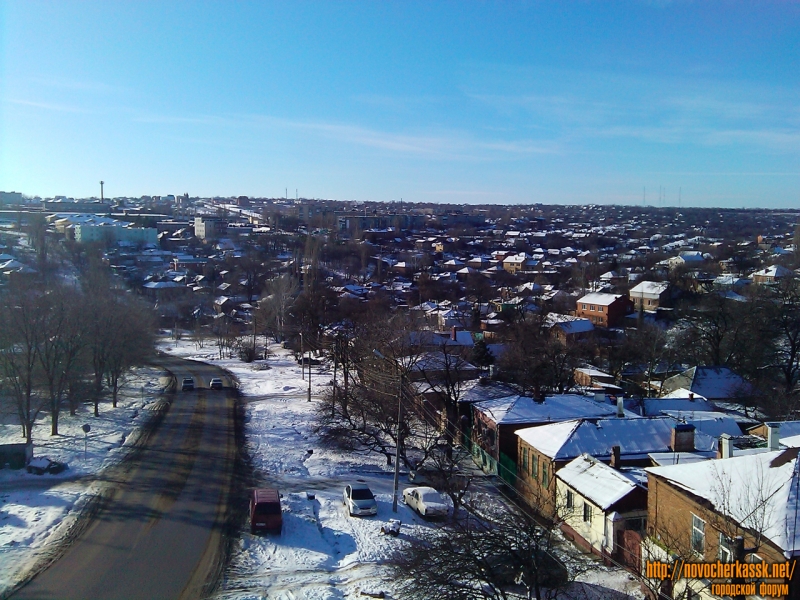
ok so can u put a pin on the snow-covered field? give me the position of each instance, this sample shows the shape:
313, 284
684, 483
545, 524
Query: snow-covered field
37, 510
321, 554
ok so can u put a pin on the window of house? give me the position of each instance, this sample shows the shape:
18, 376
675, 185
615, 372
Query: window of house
698, 535
587, 512
535, 465
592, 307
725, 553
637, 524
545, 475
525, 459
570, 500
583, 306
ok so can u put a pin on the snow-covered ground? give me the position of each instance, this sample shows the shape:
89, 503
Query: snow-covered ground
36, 511
321, 554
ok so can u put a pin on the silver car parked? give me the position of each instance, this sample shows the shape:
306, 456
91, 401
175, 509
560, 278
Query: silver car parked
359, 500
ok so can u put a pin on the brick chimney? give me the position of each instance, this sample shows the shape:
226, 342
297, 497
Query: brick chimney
683, 438
615, 459
454, 333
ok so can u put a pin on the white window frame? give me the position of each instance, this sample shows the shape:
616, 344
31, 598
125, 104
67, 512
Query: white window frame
587, 512
698, 533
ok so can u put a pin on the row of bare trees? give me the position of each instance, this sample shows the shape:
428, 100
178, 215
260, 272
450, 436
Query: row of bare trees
61, 345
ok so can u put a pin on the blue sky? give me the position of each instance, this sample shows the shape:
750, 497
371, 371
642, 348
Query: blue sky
461, 102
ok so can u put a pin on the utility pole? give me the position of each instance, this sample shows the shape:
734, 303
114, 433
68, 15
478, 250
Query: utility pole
397, 433
397, 447
309, 379
302, 358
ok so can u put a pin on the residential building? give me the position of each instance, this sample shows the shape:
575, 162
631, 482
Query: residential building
743, 508
649, 295
599, 504
604, 310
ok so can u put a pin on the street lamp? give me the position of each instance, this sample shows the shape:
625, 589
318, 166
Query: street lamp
397, 436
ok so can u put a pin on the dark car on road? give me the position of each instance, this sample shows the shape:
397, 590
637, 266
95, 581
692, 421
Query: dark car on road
215, 383
187, 385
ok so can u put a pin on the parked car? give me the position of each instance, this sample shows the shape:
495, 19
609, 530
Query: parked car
187, 385
359, 500
41, 465
426, 501
215, 383
265, 511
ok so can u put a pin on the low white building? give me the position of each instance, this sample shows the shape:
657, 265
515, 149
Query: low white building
599, 503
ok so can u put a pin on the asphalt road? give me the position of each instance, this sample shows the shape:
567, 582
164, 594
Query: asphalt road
158, 534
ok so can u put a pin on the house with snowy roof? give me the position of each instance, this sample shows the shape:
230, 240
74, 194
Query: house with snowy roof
599, 503
495, 420
772, 275
712, 383
550, 447
568, 327
649, 295
743, 508
604, 310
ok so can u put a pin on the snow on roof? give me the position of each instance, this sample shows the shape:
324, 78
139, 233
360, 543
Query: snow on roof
656, 406
649, 288
759, 491
709, 422
596, 481
682, 394
709, 382
599, 298
636, 437
774, 271
568, 323
522, 409
680, 458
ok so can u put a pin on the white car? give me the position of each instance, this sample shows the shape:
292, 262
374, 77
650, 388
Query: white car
359, 500
426, 501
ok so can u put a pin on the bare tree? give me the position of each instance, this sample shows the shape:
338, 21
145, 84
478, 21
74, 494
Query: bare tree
273, 311
496, 553
21, 333
62, 343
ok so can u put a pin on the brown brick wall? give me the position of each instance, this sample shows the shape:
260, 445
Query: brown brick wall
669, 522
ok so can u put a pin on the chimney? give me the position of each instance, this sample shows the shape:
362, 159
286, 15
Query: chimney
724, 447
615, 459
691, 396
683, 438
454, 333
774, 436
620, 408
540, 398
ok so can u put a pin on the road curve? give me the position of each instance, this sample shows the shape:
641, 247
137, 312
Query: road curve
158, 533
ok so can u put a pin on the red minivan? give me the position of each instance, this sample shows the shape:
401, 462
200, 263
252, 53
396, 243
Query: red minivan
265, 511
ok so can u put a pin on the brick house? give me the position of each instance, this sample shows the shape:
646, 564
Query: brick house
772, 275
495, 420
604, 310
741, 508
546, 449
649, 295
